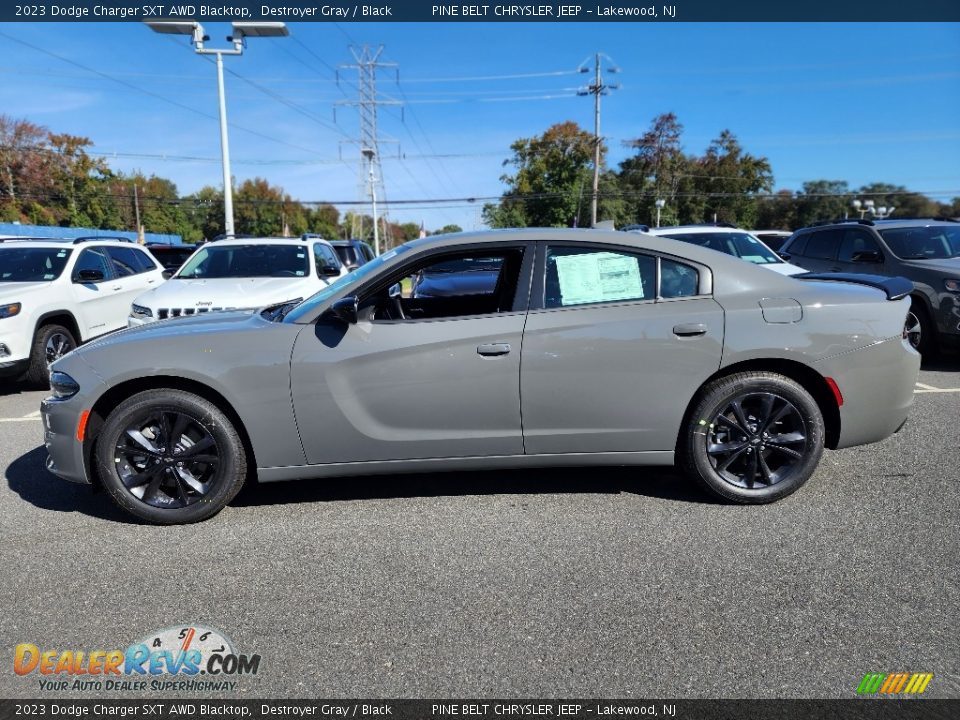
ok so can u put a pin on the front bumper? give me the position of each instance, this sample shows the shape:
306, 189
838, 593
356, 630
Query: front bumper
137, 321
65, 453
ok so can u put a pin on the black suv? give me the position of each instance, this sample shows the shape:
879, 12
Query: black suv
353, 253
926, 251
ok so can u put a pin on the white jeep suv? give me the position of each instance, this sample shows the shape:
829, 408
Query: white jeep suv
239, 274
55, 294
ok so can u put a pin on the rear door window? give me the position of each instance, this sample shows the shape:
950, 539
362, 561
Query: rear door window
855, 241
823, 244
581, 276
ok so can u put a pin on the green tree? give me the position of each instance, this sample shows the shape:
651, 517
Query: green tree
547, 182
729, 178
822, 200
657, 170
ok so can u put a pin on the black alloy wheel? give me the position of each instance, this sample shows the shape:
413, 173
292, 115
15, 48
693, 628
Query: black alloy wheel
757, 439
167, 459
170, 457
752, 437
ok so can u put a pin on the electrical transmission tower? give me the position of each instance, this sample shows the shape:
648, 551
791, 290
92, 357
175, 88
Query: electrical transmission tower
597, 88
367, 63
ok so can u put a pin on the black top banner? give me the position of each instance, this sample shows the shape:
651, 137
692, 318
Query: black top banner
530, 11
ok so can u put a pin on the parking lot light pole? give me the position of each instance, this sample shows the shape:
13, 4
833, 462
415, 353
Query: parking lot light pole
241, 30
659, 202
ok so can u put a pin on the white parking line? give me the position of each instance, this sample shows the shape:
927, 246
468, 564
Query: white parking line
29, 417
931, 389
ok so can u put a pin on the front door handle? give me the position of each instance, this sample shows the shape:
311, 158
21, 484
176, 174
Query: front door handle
493, 349
689, 329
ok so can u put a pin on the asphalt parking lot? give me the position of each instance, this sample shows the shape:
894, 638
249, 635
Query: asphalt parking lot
605, 583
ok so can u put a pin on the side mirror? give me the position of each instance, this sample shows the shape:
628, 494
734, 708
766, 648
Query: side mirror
167, 274
784, 256
868, 256
329, 271
346, 309
89, 276
395, 291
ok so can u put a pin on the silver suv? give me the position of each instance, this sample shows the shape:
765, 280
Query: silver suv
925, 251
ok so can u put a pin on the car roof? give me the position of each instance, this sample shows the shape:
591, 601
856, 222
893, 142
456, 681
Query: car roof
671, 229
265, 241
63, 242
884, 224
638, 240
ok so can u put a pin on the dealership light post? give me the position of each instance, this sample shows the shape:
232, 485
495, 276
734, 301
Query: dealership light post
868, 206
241, 30
659, 202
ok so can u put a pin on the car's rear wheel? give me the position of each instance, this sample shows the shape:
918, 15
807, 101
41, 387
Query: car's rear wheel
169, 456
753, 437
50, 343
919, 329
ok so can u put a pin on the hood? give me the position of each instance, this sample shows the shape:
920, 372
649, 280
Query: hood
217, 322
13, 291
950, 267
228, 292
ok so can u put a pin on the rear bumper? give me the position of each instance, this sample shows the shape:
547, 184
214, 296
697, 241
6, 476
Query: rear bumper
877, 383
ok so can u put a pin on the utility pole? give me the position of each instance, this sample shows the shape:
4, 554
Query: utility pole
367, 63
597, 89
136, 209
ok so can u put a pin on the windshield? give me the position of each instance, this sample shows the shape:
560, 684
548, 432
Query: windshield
353, 278
24, 264
738, 244
243, 261
934, 242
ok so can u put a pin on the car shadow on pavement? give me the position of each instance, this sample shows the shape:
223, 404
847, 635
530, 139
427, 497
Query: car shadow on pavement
662, 483
942, 363
29, 478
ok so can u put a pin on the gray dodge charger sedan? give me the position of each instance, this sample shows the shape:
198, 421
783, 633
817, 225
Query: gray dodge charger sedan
595, 348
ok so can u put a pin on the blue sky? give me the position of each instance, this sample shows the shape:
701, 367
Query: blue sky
857, 102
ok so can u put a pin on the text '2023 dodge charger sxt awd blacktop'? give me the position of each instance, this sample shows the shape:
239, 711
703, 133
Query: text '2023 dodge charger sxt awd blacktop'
595, 348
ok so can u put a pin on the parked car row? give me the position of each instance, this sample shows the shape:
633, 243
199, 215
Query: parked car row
535, 347
58, 293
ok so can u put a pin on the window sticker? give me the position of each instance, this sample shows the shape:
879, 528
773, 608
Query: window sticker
598, 277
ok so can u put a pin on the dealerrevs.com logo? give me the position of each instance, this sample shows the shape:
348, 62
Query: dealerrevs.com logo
186, 657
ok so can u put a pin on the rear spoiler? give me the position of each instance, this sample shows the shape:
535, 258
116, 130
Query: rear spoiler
895, 287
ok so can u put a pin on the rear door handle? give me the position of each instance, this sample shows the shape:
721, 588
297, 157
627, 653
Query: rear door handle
835, 269
118, 287
689, 329
493, 349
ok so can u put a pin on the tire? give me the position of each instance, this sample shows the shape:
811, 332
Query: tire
919, 330
188, 482
752, 467
50, 343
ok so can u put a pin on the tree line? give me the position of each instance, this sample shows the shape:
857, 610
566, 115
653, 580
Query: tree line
54, 179
549, 183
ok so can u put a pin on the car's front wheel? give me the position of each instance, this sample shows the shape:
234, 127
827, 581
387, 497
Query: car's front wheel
50, 343
753, 437
169, 456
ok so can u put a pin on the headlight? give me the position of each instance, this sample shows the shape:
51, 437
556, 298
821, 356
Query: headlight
141, 310
951, 284
9, 310
62, 385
